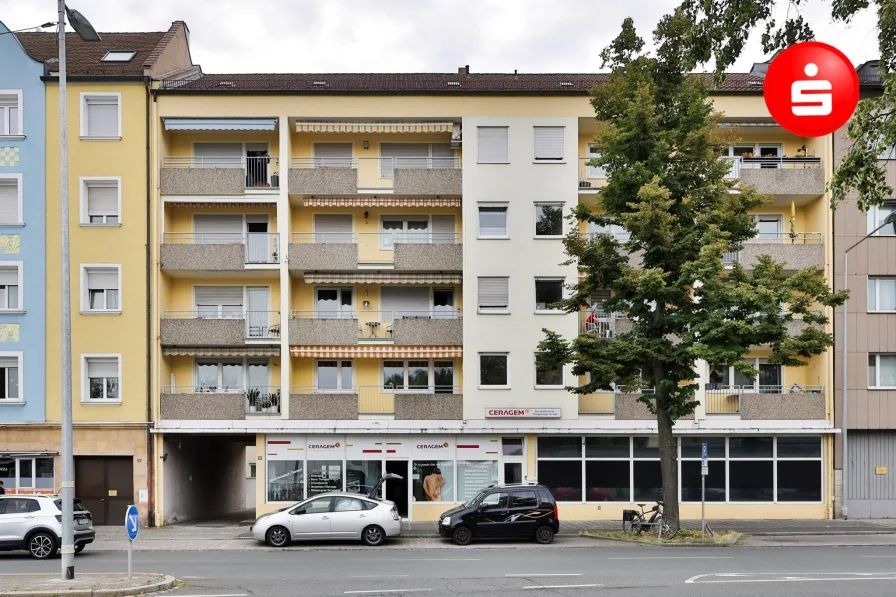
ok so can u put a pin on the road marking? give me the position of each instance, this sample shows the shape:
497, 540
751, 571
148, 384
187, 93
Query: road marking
381, 576
742, 577
525, 575
877, 556
561, 586
440, 560
194, 577
222, 595
385, 591
636, 558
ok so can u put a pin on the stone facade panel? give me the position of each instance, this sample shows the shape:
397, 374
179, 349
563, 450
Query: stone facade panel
323, 256
316, 407
784, 181
429, 407
793, 255
776, 407
428, 332
203, 332
203, 181
630, 408
422, 258
432, 181
323, 181
204, 406
323, 332
210, 258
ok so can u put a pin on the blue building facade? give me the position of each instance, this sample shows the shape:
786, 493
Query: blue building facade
22, 239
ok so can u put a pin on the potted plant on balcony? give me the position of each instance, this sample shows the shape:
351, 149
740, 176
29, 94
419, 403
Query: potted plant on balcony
265, 403
252, 396
275, 401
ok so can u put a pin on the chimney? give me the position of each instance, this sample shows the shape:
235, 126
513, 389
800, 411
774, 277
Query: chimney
463, 70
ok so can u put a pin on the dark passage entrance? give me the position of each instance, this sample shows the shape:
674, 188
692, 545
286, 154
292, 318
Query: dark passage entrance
397, 491
105, 486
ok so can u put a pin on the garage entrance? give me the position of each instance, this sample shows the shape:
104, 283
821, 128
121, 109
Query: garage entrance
105, 486
871, 491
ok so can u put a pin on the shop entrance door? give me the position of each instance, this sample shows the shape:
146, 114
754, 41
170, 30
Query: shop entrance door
513, 459
397, 490
105, 485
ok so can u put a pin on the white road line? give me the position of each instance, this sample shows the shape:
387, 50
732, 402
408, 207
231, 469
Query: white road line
561, 586
381, 576
736, 577
385, 591
527, 575
221, 595
877, 556
194, 577
636, 558
440, 560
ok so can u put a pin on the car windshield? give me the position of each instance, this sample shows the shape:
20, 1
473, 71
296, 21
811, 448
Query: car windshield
475, 499
78, 506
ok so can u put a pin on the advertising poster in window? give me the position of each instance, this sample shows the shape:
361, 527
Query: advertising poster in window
324, 476
474, 475
433, 480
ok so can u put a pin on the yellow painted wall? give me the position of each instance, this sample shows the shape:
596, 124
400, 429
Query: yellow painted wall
180, 219
181, 143
183, 369
368, 372
123, 334
181, 290
303, 295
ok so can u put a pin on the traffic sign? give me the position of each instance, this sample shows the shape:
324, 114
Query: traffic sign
704, 454
704, 470
132, 522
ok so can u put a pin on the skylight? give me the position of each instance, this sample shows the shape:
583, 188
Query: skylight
119, 56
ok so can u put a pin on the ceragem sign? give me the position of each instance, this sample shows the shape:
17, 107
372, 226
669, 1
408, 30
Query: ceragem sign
522, 413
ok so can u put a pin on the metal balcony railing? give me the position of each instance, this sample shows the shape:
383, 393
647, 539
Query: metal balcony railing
261, 247
377, 172
599, 323
378, 247
787, 238
725, 399
259, 325
378, 324
258, 399
261, 171
589, 174
374, 400
742, 163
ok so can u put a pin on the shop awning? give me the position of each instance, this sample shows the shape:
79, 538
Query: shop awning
235, 351
220, 124
378, 351
374, 127
383, 278
381, 202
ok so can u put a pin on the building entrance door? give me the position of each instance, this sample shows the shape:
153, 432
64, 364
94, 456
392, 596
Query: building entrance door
397, 490
105, 486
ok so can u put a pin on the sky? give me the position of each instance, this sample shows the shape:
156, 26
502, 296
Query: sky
282, 36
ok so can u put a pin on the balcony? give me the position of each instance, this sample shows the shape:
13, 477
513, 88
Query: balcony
423, 403
422, 251
603, 325
395, 175
219, 251
205, 403
624, 405
412, 328
192, 175
789, 179
796, 251
767, 403
238, 328
591, 178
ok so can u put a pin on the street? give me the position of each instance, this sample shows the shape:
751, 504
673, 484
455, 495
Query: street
568, 567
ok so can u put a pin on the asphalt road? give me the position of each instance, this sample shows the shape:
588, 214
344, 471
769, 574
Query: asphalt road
505, 571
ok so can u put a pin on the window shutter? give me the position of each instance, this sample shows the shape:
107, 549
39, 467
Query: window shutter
333, 155
9, 201
218, 229
443, 155
102, 367
102, 116
219, 155
8, 362
492, 145
102, 198
9, 100
549, 142
492, 220
218, 295
494, 293
333, 228
443, 231
9, 276
101, 279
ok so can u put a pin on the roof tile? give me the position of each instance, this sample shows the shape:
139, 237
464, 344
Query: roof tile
84, 58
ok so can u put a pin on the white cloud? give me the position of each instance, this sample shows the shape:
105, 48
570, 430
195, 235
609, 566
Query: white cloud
407, 35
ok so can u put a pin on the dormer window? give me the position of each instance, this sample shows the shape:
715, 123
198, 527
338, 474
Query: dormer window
119, 56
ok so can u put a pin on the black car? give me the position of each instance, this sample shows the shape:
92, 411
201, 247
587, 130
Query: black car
503, 511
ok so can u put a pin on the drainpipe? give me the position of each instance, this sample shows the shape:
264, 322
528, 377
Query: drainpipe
150, 459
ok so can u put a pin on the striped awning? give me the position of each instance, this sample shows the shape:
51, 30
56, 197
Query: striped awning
374, 127
235, 351
382, 278
223, 203
381, 202
220, 124
377, 351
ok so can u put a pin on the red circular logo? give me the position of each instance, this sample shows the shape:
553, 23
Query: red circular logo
811, 89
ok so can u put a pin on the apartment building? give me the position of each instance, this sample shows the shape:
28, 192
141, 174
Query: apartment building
108, 101
351, 274
870, 484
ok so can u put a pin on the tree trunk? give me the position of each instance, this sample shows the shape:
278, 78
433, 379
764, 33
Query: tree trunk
668, 448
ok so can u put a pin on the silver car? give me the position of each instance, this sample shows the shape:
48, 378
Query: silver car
333, 515
34, 523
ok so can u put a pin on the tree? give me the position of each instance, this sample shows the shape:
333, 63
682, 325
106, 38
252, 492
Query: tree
659, 141
719, 29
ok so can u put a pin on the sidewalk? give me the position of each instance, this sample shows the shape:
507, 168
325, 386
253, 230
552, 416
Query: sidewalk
83, 585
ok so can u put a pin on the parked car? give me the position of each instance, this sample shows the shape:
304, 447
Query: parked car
503, 511
34, 523
332, 515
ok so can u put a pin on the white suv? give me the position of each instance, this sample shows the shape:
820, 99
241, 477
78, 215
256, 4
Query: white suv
34, 522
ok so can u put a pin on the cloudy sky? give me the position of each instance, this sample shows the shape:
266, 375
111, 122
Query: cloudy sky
406, 35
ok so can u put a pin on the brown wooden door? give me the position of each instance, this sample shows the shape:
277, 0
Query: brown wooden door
105, 485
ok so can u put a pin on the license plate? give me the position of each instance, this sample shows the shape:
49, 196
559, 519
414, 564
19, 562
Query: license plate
81, 522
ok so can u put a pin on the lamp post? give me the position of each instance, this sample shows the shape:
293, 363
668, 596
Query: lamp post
86, 32
891, 219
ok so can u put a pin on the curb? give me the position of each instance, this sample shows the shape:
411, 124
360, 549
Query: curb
165, 584
818, 533
731, 543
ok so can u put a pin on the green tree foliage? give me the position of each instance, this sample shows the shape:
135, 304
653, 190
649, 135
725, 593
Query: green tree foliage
658, 140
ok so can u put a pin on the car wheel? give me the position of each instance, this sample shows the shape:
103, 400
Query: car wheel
277, 537
373, 535
80, 547
42, 546
544, 535
462, 536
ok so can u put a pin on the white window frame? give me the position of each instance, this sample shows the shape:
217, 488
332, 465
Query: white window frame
489, 310
85, 290
479, 159
479, 370
430, 378
876, 281
20, 357
872, 218
86, 95
754, 361
535, 383
131, 55
85, 381
494, 204
4, 115
20, 271
19, 178
562, 158
86, 181
560, 279
535, 206
339, 390
876, 356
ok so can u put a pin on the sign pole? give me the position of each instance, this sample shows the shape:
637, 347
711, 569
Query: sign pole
704, 470
130, 557
132, 526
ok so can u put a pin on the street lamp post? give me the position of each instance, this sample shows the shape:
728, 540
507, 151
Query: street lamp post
891, 219
86, 32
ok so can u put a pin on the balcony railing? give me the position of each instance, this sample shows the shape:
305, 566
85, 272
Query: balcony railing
775, 163
726, 400
377, 172
787, 238
259, 325
260, 247
260, 171
256, 399
588, 174
378, 324
378, 247
374, 400
599, 323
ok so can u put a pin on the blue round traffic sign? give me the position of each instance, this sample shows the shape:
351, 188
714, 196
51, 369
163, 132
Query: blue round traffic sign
132, 522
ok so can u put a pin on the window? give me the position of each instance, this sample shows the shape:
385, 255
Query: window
334, 303
361, 475
552, 378
286, 480
768, 379
220, 376
101, 201
225, 302
318, 506
324, 476
418, 375
10, 199
443, 303
548, 219
335, 375
881, 294
11, 286
499, 500
494, 295
102, 284
26, 474
494, 370
10, 377
100, 115
10, 112
414, 156
252, 470
433, 480
691, 464
591, 171
882, 370
119, 56
333, 228
548, 292
492, 144
769, 228
101, 375
493, 220
474, 476
549, 143
877, 214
